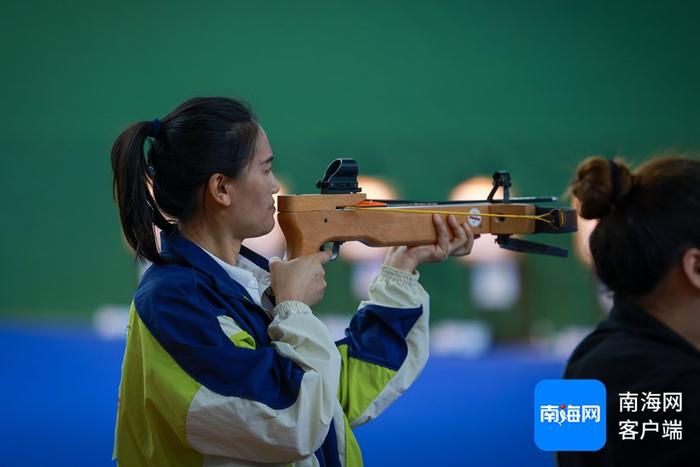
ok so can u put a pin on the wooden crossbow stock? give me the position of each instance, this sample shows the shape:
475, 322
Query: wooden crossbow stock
342, 213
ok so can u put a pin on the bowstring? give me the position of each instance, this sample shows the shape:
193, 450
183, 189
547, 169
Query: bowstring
544, 217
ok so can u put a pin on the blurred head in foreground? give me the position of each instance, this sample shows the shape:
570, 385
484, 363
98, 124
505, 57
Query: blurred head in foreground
646, 250
648, 238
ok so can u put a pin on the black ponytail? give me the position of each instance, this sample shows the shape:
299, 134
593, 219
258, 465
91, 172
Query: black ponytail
201, 137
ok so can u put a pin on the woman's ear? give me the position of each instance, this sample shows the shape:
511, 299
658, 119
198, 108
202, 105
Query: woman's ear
691, 266
219, 189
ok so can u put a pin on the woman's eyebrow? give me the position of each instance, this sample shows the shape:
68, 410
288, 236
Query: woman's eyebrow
267, 161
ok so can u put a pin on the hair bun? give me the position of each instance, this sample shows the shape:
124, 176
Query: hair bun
599, 185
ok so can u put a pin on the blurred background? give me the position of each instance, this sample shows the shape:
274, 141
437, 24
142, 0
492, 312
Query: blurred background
426, 96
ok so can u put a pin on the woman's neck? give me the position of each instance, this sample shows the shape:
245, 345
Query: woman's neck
677, 306
216, 241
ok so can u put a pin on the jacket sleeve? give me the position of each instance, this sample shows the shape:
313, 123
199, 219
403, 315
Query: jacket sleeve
386, 345
270, 404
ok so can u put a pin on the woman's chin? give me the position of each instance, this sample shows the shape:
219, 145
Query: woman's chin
265, 230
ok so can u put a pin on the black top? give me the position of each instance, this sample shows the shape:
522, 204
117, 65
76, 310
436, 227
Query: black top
632, 351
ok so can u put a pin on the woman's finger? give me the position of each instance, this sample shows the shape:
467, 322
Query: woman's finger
443, 237
460, 235
323, 256
466, 248
470, 238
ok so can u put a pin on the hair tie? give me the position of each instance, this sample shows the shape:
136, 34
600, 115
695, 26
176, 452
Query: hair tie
155, 129
615, 176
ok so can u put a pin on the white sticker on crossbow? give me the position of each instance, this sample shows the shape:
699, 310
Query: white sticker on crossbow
474, 218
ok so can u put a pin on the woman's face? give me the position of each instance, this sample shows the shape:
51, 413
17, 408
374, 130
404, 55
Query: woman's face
253, 207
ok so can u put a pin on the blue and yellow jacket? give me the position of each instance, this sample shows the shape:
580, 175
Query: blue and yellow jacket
210, 379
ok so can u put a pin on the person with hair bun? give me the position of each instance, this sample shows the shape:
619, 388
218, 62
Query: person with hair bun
646, 251
225, 363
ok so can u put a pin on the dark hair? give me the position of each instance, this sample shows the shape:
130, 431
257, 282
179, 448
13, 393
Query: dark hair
648, 218
201, 137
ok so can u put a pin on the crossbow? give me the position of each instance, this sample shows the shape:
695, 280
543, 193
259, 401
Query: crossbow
342, 213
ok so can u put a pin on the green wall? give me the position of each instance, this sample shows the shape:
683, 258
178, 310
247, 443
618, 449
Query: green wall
423, 93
